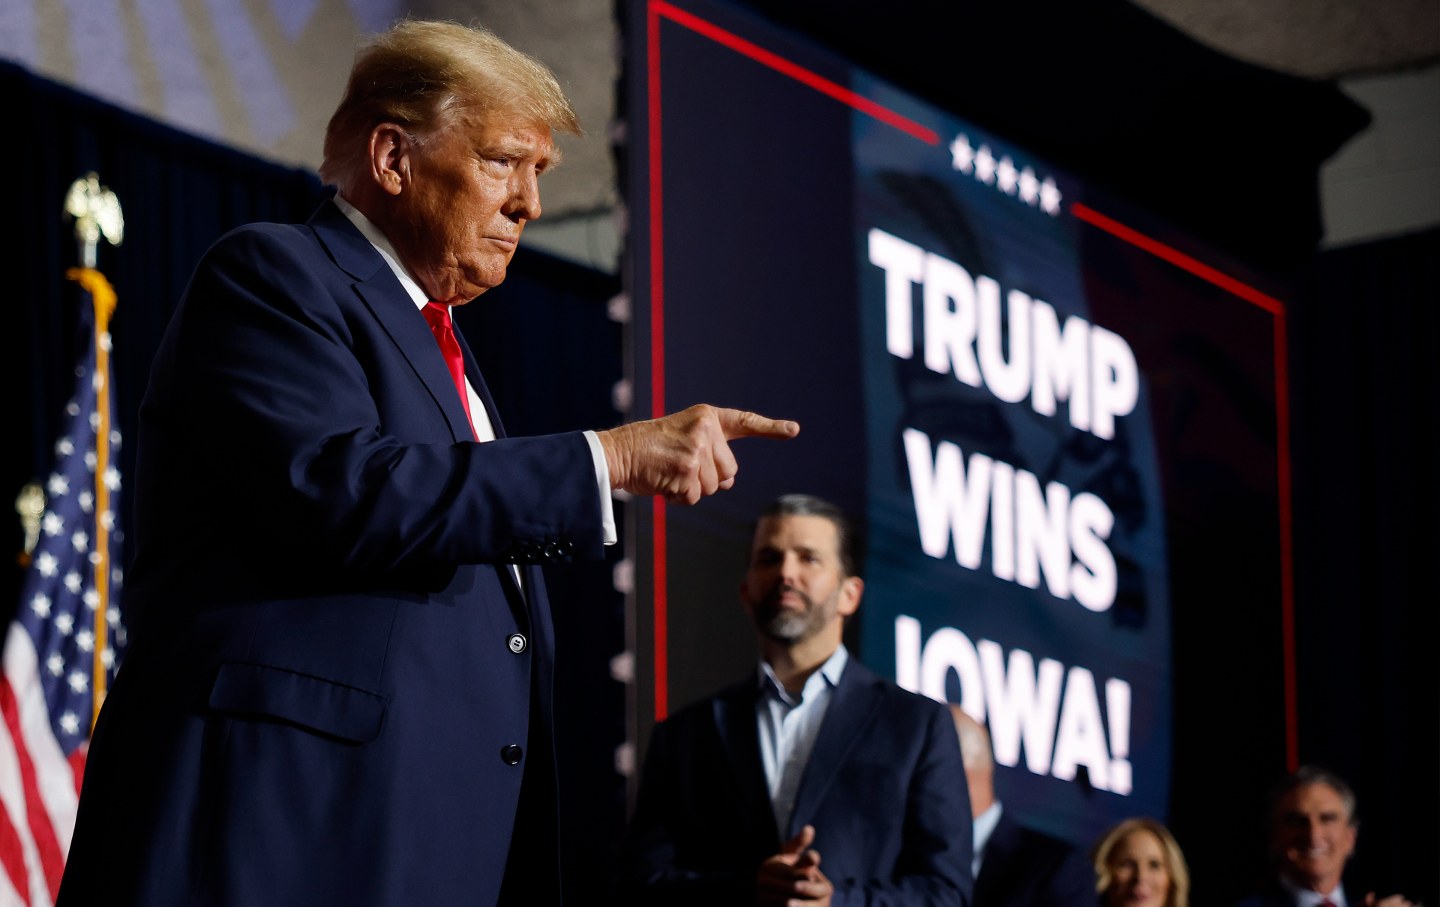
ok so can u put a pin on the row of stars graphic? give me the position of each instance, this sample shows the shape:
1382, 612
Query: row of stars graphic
1023, 183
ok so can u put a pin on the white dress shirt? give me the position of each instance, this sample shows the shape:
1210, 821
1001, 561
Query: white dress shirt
1304, 897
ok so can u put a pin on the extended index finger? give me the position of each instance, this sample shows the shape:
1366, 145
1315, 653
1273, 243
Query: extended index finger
739, 423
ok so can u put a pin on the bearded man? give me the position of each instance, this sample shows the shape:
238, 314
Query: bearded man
813, 781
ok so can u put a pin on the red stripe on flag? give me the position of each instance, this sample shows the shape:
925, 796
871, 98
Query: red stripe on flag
52, 858
12, 856
77, 763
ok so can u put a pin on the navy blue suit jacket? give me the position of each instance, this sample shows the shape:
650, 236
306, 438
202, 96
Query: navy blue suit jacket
1025, 868
330, 662
1273, 894
884, 788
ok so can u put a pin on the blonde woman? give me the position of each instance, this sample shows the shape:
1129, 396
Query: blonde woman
1138, 864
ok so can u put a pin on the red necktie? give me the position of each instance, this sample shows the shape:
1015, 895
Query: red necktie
438, 315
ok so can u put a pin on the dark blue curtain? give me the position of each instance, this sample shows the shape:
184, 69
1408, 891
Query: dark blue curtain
1367, 445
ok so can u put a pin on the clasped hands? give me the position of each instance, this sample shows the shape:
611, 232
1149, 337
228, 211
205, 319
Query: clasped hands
792, 878
686, 455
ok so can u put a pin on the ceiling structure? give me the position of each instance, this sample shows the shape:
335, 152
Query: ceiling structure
1319, 39
264, 75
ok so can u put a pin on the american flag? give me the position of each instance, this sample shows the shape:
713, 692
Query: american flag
66, 638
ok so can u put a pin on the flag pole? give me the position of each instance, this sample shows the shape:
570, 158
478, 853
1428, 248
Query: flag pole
97, 212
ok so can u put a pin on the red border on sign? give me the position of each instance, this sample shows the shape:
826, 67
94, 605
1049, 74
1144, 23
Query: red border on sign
656, 9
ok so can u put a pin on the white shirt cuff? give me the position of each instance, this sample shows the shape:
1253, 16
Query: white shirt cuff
602, 481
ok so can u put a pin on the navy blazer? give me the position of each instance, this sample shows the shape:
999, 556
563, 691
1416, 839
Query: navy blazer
1273, 894
334, 685
1270, 895
884, 788
1025, 868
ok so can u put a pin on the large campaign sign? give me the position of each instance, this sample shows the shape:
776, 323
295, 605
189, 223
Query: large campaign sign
1016, 526
1061, 425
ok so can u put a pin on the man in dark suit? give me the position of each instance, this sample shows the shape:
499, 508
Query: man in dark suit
338, 690
1313, 829
814, 781
1014, 866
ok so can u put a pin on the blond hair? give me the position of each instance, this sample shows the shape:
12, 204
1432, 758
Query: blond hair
1179, 894
425, 76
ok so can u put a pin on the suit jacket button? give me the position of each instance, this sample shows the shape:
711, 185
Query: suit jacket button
516, 642
511, 754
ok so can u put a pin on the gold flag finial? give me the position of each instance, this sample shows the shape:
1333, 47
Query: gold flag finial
30, 505
97, 213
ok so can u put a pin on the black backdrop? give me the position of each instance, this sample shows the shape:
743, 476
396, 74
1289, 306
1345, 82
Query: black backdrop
1229, 153
1134, 105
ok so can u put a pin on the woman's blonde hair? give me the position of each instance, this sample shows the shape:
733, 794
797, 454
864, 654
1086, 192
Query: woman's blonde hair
426, 75
1179, 894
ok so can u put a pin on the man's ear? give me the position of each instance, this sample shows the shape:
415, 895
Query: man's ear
390, 150
851, 588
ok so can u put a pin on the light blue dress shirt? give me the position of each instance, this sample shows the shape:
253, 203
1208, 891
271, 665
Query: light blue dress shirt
983, 828
788, 726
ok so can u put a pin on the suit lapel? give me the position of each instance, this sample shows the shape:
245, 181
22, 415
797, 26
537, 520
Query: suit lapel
387, 300
851, 710
735, 722
396, 312
1000, 852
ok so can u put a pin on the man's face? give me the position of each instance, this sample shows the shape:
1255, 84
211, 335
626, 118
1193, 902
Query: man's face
1312, 836
795, 588
470, 191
